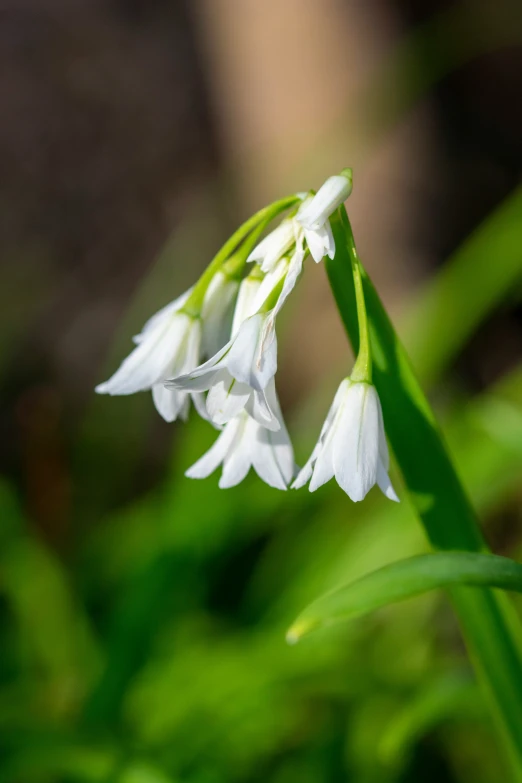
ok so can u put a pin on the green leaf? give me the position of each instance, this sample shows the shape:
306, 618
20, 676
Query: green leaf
406, 579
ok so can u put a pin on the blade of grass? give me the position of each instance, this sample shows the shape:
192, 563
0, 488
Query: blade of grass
407, 579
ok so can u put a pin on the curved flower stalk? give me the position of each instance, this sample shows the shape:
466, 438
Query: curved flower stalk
245, 444
352, 445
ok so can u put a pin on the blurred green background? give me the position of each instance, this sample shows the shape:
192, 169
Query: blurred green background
143, 614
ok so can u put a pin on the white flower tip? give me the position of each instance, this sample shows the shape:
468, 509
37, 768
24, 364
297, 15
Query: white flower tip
328, 198
291, 637
300, 628
392, 495
347, 173
102, 388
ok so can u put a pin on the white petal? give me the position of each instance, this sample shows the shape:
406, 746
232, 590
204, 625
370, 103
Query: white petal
328, 198
304, 475
226, 398
328, 240
200, 405
201, 378
168, 402
216, 312
258, 408
356, 447
187, 358
280, 440
294, 270
273, 246
216, 454
245, 304
307, 470
148, 362
268, 284
237, 462
265, 365
242, 354
323, 468
383, 446
264, 460
162, 315
385, 485
315, 243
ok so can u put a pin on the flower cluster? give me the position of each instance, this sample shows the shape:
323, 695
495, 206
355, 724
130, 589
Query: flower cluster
219, 340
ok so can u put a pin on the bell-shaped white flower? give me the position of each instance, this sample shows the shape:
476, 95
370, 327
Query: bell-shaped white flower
245, 444
236, 376
169, 343
352, 445
314, 214
216, 312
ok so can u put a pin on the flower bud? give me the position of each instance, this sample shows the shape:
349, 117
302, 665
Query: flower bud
328, 198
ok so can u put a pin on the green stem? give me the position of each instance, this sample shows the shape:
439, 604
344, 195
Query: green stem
362, 370
491, 631
255, 224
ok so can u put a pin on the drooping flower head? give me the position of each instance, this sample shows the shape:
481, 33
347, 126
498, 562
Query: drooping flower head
172, 342
313, 216
352, 445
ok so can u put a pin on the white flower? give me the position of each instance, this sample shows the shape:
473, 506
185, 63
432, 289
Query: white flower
313, 215
275, 245
352, 445
237, 375
168, 344
248, 299
243, 444
216, 312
